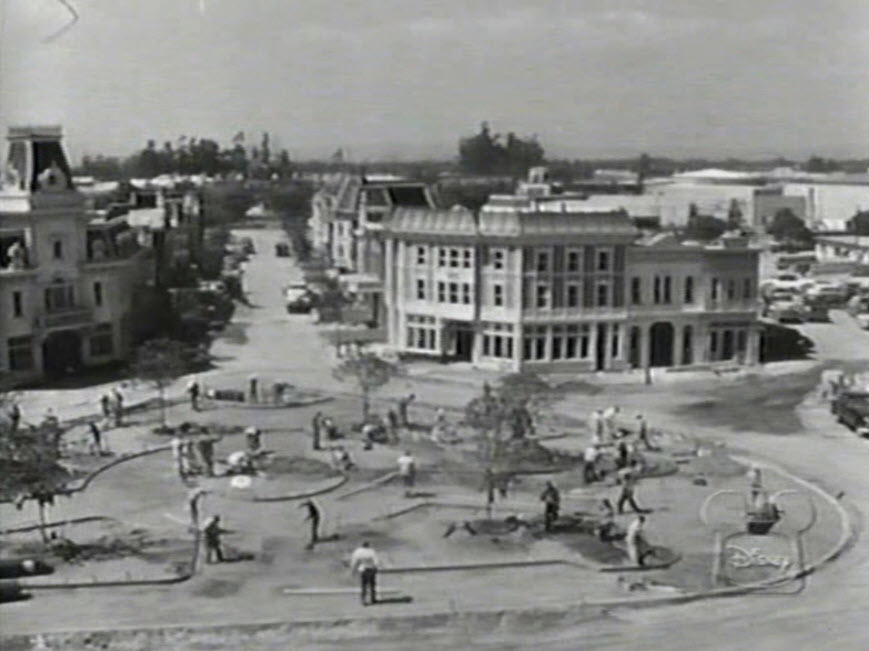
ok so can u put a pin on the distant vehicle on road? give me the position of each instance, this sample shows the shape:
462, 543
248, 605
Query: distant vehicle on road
282, 250
851, 408
816, 311
827, 292
788, 281
298, 298
247, 246
786, 311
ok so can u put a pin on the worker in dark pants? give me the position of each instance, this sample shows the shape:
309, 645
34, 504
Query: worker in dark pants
97, 437
551, 499
314, 518
628, 492
364, 562
212, 532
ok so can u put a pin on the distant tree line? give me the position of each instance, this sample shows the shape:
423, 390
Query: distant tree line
491, 154
192, 156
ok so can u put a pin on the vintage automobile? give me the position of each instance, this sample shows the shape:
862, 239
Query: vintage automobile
786, 311
851, 408
816, 311
298, 298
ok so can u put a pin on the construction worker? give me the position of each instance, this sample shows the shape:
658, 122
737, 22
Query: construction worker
314, 518
364, 562
551, 499
213, 531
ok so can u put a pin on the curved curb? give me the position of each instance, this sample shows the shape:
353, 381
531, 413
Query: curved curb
265, 406
343, 479
172, 580
495, 565
84, 482
52, 525
369, 486
115, 462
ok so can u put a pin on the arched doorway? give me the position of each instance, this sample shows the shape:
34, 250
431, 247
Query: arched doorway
661, 344
61, 353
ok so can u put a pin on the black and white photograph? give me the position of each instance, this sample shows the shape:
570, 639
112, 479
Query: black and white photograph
434, 324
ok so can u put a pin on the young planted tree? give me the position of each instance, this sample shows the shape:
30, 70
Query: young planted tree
525, 395
160, 361
29, 466
369, 372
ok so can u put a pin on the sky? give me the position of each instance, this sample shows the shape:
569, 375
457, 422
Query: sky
407, 78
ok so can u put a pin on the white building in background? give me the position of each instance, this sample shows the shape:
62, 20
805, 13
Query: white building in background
530, 283
67, 280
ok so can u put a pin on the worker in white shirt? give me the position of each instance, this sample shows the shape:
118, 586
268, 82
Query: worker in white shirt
597, 426
364, 562
589, 464
635, 540
609, 419
407, 470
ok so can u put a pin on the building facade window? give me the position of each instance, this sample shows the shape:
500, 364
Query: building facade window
534, 343
542, 295
102, 341
454, 258
574, 260
656, 290
454, 292
541, 263
731, 290
467, 258
421, 332
747, 289
98, 294
59, 298
420, 256
689, 290
716, 289
442, 256
668, 286
603, 260
17, 304
498, 295
573, 295
688, 345
636, 291
615, 342
498, 340
442, 292
603, 294
20, 353
57, 249
577, 342
498, 258
420, 289
466, 293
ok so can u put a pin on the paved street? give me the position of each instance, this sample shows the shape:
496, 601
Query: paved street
266, 340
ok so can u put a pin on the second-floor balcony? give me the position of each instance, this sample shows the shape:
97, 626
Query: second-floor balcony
67, 318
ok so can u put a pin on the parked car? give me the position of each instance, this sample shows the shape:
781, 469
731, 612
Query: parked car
786, 311
789, 281
827, 292
247, 246
298, 298
816, 311
851, 408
